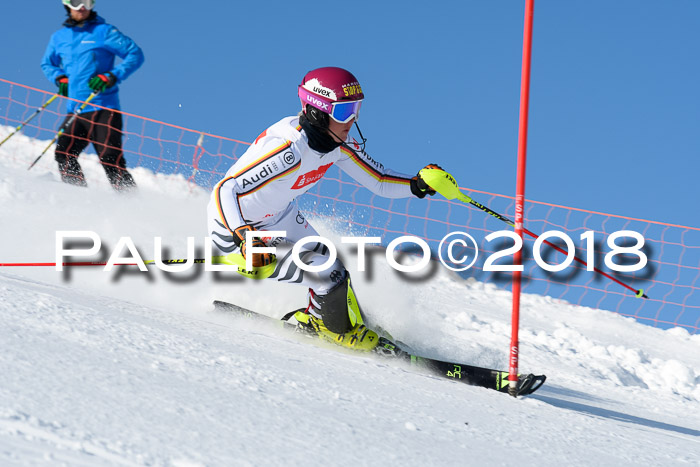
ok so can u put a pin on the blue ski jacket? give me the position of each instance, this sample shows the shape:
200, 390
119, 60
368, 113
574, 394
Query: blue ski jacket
83, 51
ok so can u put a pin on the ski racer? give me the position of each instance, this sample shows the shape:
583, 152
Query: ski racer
80, 60
260, 191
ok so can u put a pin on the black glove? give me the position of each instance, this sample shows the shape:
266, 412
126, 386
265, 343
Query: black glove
418, 185
99, 83
62, 83
259, 259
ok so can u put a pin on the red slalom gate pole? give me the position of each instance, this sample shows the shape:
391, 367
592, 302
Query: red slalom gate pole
520, 194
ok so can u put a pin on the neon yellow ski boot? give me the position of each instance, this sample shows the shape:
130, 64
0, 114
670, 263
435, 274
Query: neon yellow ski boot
359, 337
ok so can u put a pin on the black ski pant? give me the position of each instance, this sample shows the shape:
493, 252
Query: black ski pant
102, 128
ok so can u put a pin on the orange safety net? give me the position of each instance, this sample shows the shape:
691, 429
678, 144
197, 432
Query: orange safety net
671, 278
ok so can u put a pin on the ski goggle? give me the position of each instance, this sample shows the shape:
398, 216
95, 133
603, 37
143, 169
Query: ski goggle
78, 4
341, 112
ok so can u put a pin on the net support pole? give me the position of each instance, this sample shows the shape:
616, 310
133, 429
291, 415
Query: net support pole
520, 193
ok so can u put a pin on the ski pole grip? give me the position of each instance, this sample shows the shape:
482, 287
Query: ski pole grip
443, 183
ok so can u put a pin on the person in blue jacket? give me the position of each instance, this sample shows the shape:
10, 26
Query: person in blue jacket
80, 60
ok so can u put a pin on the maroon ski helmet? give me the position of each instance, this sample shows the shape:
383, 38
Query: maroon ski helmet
327, 88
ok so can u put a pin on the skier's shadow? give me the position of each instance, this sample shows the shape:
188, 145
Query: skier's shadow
605, 413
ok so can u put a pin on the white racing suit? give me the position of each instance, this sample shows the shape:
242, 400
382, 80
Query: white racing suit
261, 188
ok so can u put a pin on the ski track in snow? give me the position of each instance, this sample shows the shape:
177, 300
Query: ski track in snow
137, 369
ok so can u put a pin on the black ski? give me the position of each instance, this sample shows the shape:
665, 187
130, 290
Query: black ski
468, 374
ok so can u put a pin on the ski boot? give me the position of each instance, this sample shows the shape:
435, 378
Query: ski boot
360, 337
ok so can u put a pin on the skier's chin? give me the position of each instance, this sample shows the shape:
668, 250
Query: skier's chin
340, 137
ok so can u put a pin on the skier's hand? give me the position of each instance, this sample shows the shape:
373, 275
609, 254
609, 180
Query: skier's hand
62, 83
418, 185
259, 259
99, 83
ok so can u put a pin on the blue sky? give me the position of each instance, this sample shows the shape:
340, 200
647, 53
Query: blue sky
614, 109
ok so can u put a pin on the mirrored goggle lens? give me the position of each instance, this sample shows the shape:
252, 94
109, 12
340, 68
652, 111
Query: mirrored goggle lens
343, 112
77, 4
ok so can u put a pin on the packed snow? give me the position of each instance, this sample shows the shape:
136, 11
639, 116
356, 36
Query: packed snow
136, 368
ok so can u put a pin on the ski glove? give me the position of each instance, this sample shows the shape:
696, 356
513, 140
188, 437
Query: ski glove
418, 186
99, 83
62, 83
259, 259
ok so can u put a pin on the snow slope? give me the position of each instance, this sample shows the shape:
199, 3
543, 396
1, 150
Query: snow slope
134, 368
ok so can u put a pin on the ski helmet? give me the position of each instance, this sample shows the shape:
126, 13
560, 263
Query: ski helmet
334, 92
77, 4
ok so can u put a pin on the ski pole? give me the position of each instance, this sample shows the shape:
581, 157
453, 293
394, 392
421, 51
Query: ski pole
447, 186
101, 263
37, 112
232, 259
63, 128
